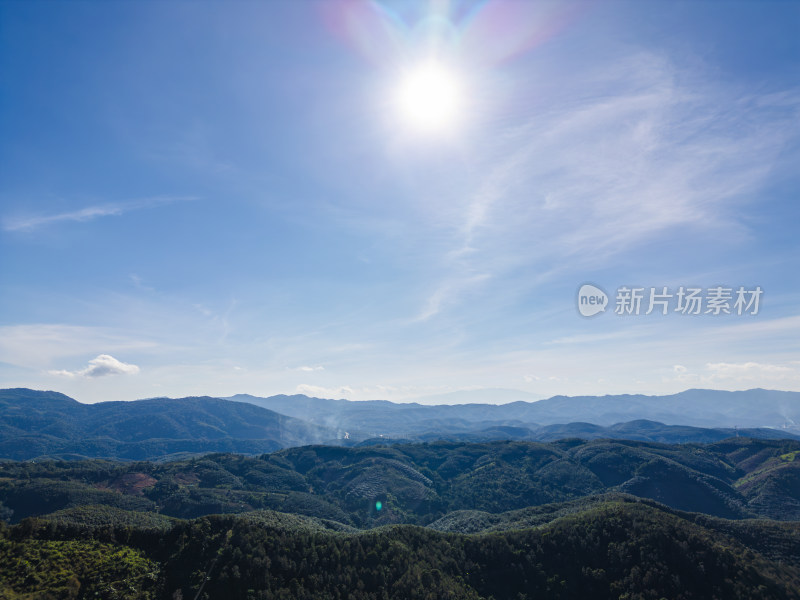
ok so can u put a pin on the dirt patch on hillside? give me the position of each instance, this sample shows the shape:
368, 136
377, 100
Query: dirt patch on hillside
132, 484
186, 478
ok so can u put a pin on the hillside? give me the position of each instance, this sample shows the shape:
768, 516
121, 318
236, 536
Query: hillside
614, 548
421, 483
34, 424
502, 520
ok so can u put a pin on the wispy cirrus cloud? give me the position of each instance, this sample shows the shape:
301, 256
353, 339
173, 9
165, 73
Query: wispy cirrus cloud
636, 150
31, 222
448, 292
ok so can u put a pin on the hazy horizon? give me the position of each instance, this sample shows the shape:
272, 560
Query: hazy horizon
458, 395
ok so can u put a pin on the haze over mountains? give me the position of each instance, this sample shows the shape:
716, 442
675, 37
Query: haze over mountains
35, 424
478, 396
698, 408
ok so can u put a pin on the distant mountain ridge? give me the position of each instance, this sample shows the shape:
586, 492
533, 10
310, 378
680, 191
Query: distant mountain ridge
640, 430
748, 409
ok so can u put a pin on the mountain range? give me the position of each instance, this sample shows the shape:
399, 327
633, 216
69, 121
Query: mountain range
475, 508
37, 424
755, 408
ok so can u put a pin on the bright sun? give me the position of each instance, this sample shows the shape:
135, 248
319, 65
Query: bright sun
429, 98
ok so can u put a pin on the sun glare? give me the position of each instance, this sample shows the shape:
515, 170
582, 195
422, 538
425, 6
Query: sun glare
429, 98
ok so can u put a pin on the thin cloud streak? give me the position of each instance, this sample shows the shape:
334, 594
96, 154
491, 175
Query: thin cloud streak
89, 213
447, 293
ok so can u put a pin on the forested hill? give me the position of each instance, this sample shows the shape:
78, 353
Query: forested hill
608, 547
421, 483
604, 519
618, 548
34, 424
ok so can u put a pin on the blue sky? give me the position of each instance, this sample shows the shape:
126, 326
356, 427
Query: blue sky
222, 197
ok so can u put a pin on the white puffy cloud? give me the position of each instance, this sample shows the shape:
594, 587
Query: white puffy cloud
103, 365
